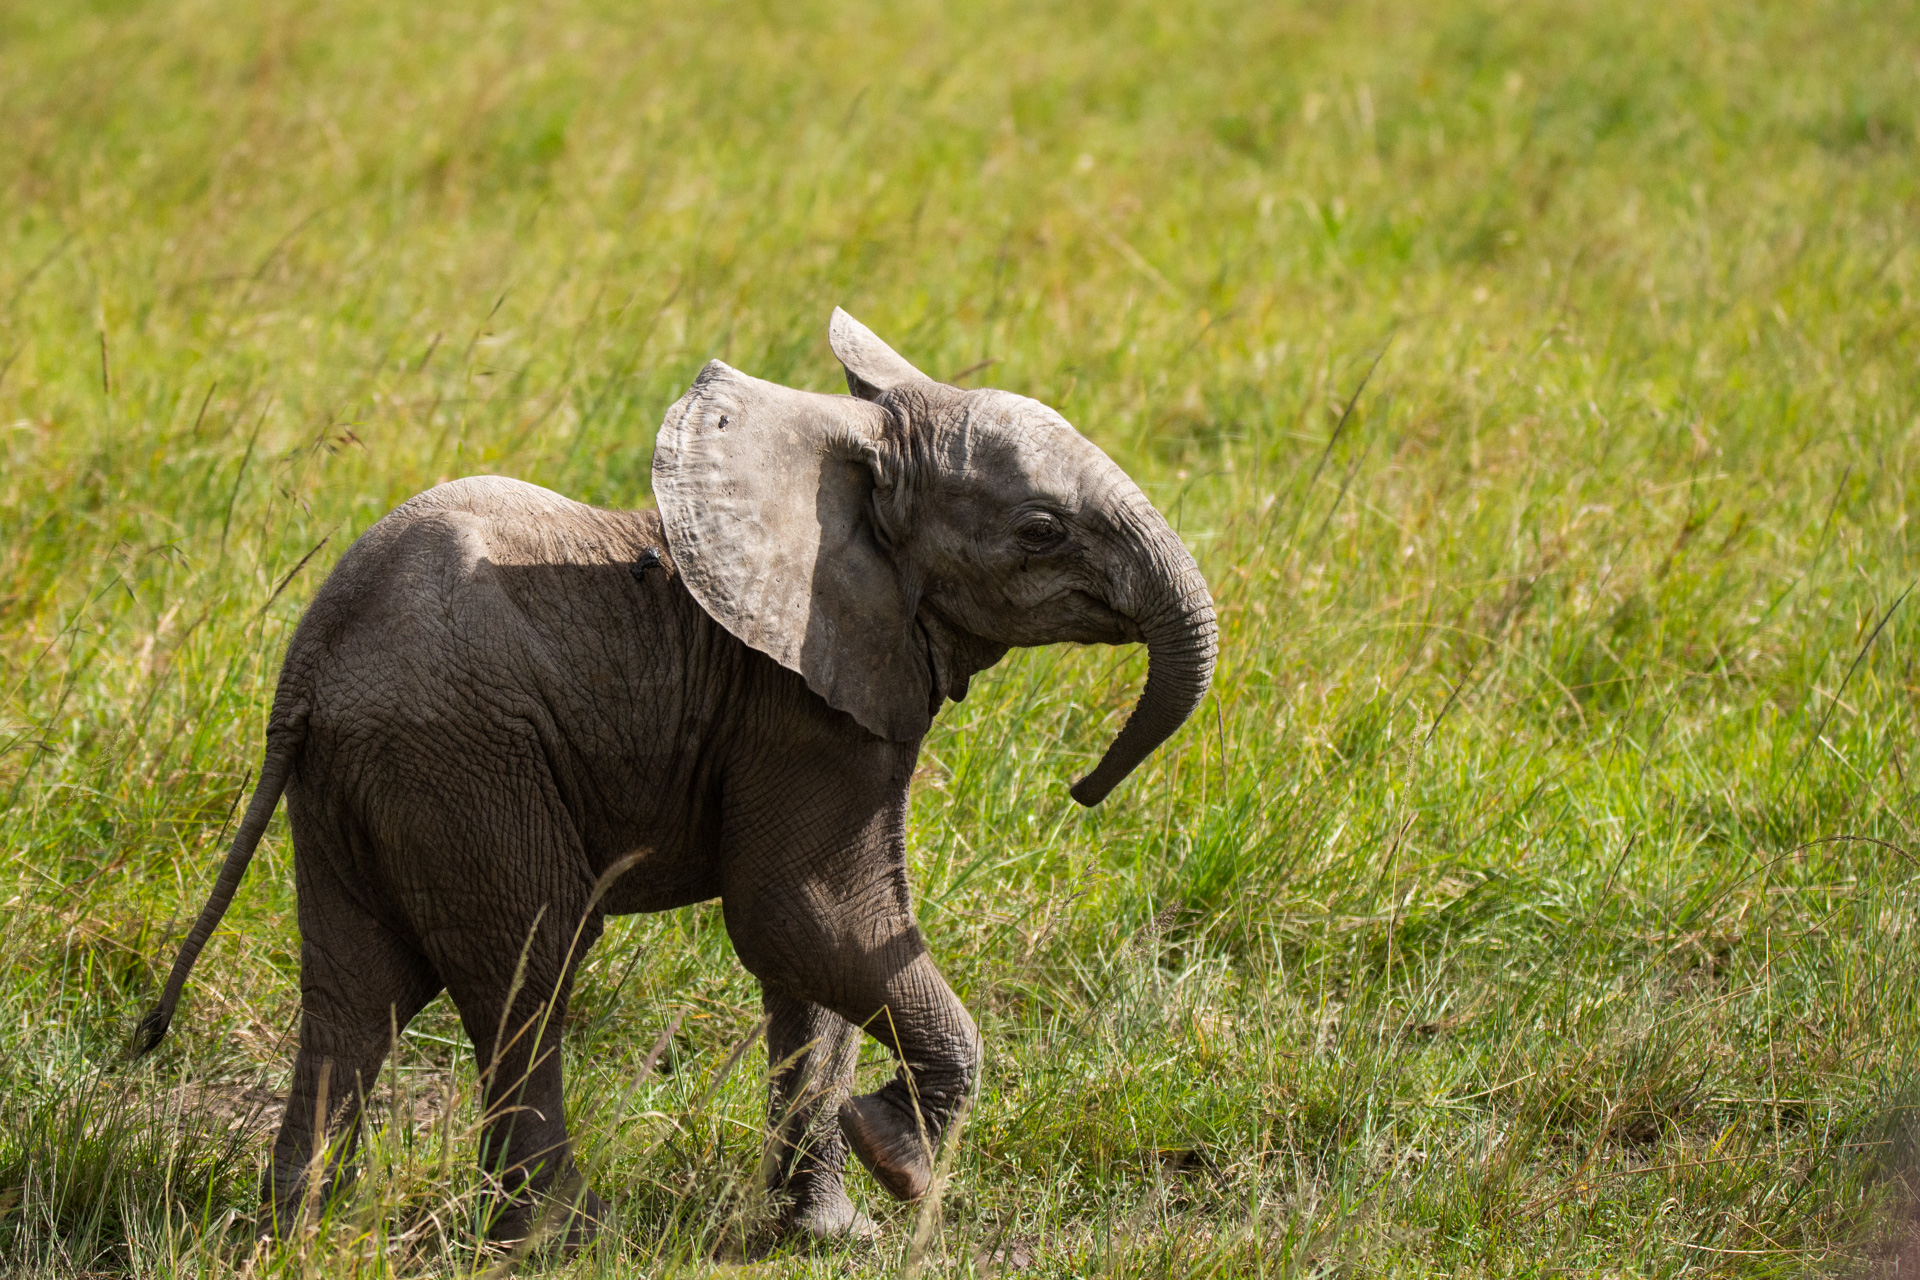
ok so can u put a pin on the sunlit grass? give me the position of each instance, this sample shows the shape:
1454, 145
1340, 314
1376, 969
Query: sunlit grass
1537, 385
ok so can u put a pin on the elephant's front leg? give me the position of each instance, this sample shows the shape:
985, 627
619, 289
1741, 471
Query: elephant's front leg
901, 1000
897, 1130
812, 1052
816, 901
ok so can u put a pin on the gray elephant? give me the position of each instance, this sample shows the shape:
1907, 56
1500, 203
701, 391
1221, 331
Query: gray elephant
507, 715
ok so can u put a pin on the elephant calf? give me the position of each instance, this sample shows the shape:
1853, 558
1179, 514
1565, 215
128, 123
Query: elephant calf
507, 715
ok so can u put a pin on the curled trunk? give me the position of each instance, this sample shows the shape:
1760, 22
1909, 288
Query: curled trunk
1178, 625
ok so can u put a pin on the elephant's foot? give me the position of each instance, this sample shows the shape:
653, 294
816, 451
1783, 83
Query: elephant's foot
890, 1140
286, 1204
521, 1216
279, 1221
825, 1213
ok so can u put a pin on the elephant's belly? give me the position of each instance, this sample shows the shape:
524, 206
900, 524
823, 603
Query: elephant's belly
662, 844
658, 882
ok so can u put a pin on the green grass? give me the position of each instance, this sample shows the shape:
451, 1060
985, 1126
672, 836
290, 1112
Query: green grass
1538, 894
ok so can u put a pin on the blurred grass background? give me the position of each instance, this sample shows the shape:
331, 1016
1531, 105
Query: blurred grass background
1536, 383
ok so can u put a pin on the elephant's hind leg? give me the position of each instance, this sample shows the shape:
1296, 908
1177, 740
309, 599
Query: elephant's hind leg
512, 994
359, 983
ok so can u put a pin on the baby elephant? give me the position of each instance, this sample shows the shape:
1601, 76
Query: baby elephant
507, 715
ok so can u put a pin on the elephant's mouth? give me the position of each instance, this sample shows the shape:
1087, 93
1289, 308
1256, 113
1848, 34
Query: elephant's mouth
1070, 616
1102, 622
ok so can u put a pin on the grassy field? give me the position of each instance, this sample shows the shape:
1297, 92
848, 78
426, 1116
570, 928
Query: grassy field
1537, 895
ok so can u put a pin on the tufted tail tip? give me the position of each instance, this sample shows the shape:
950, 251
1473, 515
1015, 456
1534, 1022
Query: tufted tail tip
152, 1029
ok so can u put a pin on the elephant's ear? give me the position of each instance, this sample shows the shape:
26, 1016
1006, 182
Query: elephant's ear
767, 497
872, 366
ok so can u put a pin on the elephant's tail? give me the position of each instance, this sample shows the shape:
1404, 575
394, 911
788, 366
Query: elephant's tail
281, 748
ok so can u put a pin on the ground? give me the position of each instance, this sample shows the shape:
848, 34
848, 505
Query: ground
1535, 382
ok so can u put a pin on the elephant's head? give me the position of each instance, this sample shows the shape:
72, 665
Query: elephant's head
889, 544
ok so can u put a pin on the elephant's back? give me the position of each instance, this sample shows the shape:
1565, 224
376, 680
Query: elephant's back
435, 559
503, 521
491, 632
481, 591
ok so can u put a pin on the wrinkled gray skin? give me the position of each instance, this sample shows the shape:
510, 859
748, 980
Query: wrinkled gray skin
507, 715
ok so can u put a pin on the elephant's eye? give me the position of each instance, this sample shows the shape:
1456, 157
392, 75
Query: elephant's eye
1039, 532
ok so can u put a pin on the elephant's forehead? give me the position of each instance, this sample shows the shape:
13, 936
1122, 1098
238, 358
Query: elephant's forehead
1003, 438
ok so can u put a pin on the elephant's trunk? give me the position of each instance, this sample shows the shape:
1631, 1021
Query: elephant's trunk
1176, 621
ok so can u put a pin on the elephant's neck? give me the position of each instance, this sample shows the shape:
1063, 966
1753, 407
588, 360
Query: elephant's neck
954, 656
